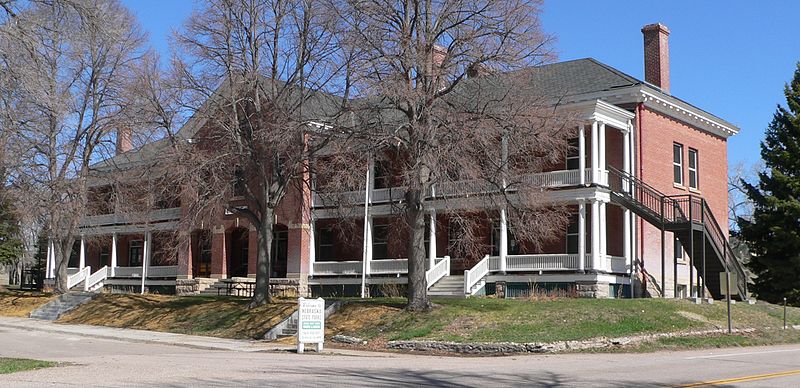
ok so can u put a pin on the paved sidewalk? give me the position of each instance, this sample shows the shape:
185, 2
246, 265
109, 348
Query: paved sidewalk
142, 336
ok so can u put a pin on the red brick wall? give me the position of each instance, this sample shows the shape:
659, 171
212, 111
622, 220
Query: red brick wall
654, 166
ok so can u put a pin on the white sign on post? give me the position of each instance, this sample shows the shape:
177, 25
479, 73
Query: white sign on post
310, 323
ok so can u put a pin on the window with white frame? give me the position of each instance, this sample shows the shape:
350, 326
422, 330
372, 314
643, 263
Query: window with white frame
677, 163
572, 234
677, 250
694, 177
573, 155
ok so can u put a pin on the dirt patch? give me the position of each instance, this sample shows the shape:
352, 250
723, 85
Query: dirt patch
356, 318
21, 303
697, 318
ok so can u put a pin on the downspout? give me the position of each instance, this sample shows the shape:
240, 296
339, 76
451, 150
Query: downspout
638, 153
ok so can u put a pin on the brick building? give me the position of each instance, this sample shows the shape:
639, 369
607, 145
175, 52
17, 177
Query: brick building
646, 183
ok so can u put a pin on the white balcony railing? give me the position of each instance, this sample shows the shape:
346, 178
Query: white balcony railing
128, 272
132, 218
166, 271
81, 275
550, 179
336, 268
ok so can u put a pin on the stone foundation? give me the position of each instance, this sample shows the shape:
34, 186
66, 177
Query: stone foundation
187, 287
592, 290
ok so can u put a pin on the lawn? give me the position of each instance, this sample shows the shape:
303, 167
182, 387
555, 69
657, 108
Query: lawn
21, 303
221, 316
11, 365
507, 320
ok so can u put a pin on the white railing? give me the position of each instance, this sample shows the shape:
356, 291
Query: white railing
475, 275
336, 268
165, 271
388, 266
439, 270
122, 218
550, 179
128, 272
538, 262
80, 276
96, 279
72, 270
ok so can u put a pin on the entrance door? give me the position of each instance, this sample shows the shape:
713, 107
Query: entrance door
280, 250
240, 244
202, 255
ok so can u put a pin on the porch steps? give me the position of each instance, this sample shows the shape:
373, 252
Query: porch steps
448, 286
63, 304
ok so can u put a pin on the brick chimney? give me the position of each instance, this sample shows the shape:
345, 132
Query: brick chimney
656, 55
124, 142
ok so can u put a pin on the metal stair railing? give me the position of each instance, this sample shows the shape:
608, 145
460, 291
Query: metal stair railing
678, 209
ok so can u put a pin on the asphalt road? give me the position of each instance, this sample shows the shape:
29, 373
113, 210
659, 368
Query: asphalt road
122, 363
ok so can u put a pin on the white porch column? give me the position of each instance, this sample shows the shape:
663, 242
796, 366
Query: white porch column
82, 262
503, 240
432, 240
627, 241
582, 235
53, 260
148, 247
582, 153
626, 152
602, 154
595, 153
367, 246
48, 265
603, 237
312, 245
113, 255
595, 234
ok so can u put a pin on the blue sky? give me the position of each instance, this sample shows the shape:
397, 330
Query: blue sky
731, 58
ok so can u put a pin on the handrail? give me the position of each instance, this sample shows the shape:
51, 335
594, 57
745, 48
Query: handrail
438, 271
80, 276
675, 208
474, 275
95, 278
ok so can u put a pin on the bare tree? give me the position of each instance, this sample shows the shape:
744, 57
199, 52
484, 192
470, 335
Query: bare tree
739, 204
67, 63
444, 88
258, 77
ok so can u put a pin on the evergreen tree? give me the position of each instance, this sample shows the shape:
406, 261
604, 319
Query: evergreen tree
11, 248
773, 232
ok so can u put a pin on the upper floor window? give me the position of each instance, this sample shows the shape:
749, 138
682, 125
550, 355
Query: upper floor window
677, 163
573, 155
381, 174
694, 177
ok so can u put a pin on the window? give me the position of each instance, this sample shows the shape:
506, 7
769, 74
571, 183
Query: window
573, 155
677, 163
513, 248
455, 234
380, 241
572, 234
381, 174
693, 176
327, 238
135, 253
238, 182
677, 250
104, 255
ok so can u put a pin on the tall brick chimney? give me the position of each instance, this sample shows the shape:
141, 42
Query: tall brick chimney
124, 142
656, 55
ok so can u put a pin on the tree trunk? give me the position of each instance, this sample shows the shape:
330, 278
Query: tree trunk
417, 284
62, 252
261, 294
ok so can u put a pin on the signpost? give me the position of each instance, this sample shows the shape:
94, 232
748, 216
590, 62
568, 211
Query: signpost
310, 323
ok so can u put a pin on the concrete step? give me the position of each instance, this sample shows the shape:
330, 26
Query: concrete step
61, 305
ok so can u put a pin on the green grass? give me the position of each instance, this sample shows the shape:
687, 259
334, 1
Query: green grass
221, 316
507, 320
11, 365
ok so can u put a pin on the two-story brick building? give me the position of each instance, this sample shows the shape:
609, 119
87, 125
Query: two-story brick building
645, 181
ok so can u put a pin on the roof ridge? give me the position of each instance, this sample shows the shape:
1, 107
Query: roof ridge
617, 72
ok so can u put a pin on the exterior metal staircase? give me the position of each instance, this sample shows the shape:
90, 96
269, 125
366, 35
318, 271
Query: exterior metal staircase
692, 222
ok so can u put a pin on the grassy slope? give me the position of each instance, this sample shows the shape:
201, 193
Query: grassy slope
493, 320
211, 316
21, 303
11, 365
